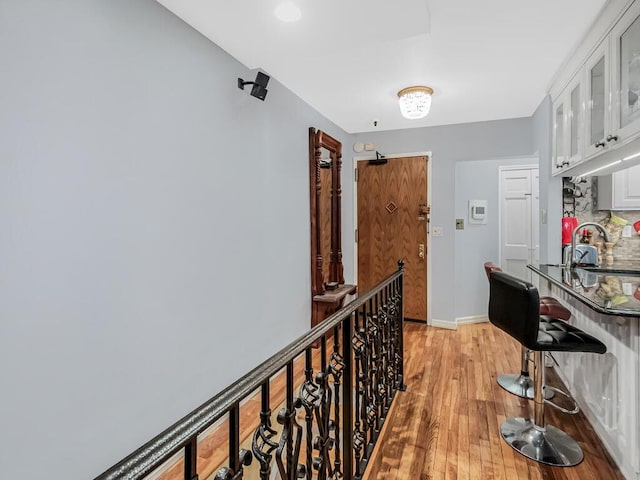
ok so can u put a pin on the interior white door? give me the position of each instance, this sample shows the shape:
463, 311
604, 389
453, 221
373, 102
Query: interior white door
535, 217
519, 220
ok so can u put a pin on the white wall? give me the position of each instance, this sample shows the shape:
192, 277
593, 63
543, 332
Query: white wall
450, 144
550, 187
478, 243
154, 228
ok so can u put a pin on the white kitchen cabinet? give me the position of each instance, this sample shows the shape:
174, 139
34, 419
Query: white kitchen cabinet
598, 105
612, 78
625, 76
560, 159
620, 190
568, 125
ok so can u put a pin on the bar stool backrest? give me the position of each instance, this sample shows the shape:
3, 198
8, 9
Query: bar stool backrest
491, 267
514, 306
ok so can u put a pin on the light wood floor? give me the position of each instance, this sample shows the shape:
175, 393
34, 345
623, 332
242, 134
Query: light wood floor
446, 426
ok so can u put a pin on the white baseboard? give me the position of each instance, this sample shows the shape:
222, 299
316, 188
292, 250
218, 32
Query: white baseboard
472, 319
443, 324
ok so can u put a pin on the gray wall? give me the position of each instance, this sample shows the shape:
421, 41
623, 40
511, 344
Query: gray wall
154, 228
476, 244
450, 144
550, 187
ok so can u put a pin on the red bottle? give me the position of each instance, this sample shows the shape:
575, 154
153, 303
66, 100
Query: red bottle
569, 224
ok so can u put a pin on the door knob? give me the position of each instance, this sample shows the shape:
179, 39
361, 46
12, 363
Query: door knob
421, 250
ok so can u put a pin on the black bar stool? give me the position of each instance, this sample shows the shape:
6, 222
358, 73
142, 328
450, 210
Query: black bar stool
522, 384
514, 306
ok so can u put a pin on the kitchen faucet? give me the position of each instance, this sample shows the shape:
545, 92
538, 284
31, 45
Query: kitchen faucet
603, 230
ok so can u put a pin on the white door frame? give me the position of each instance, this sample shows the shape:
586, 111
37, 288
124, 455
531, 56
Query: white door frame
503, 168
355, 161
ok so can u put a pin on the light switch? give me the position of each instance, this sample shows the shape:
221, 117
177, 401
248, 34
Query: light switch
459, 223
437, 231
627, 231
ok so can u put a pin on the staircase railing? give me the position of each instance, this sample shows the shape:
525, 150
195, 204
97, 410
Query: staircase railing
328, 423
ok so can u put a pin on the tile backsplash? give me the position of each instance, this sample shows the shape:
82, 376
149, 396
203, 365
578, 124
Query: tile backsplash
626, 249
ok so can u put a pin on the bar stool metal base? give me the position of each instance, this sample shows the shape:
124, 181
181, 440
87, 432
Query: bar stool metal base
549, 445
520, 385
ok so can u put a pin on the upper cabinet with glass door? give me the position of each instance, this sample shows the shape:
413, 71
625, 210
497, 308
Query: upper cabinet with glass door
559, 144
613, 87
598, 106
625, 77
568, 125
597, 113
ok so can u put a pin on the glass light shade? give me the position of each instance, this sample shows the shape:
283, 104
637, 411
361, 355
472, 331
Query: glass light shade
415, 102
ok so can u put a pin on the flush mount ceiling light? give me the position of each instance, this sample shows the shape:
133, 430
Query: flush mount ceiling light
288, 12
415, 102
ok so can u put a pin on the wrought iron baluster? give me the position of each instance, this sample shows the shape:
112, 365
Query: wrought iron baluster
359, 434
263, 445
380, 368
336, 368
383, 385
393, 343
389, 370
238, 457
309, 396
347, 389
191, 460
323, 442
291, 438
371, 376
400, 323
366, 361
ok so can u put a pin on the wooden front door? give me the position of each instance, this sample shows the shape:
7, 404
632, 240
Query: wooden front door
392, 225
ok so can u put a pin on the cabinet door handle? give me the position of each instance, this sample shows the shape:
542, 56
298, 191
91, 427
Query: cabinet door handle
612, 137
600, 144
564, 164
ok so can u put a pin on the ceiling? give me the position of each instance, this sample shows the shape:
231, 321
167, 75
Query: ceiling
485, 60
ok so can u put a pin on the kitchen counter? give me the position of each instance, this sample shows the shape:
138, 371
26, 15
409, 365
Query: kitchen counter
605, 292
606, 387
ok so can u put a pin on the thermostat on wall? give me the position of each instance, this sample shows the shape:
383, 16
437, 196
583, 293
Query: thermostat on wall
478, 211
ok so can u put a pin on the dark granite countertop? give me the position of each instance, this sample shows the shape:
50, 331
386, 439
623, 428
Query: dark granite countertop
614, 292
